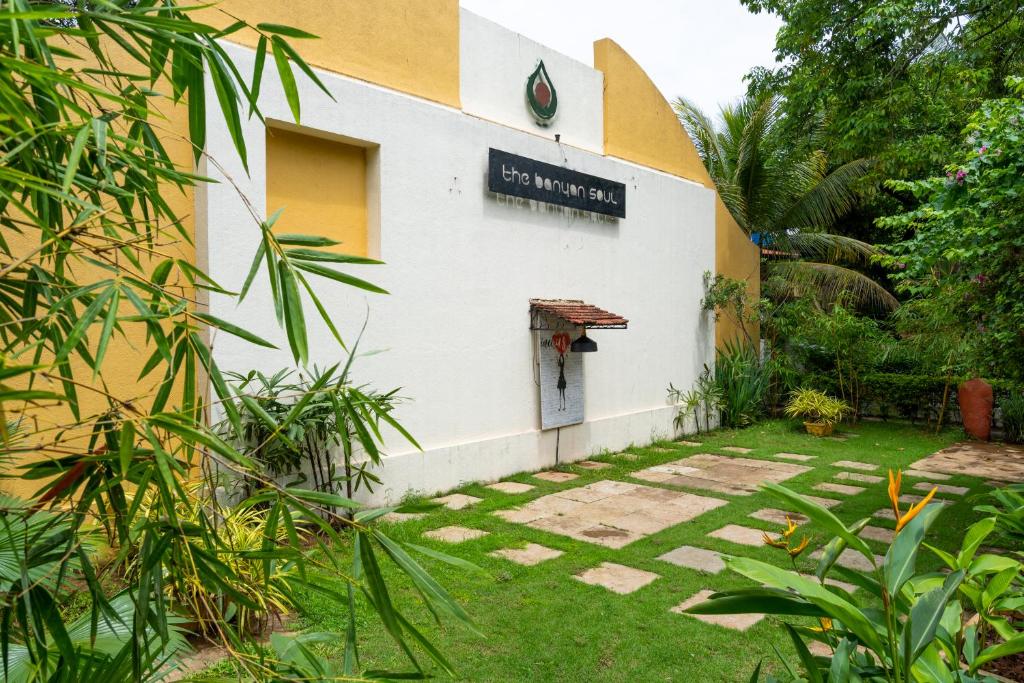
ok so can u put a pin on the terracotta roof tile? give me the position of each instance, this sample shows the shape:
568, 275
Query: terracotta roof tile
576, 312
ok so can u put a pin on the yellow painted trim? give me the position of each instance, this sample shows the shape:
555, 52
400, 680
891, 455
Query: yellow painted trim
736, 257
321, 186
408, 45
639, 124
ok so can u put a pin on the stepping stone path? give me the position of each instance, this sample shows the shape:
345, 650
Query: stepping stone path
824, 502
610, 513
510, 487
736, 476
625, 456
942, 488
912, 499
778, 516
617, 578
877, 533
982, 460
848, 587
457, 501
737, 622
743, 535
795, 456
842, 489
737, 449
851, 559
399, 517
700, 559
591, 465
863, 478
854, 465
691, 444
557, 477
884, 513
921, 474
455, 534
659, 449
529, 556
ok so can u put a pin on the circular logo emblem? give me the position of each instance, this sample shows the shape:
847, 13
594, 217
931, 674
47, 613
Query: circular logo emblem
541, 97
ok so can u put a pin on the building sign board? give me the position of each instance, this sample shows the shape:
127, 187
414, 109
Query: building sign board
517, 176
561, 379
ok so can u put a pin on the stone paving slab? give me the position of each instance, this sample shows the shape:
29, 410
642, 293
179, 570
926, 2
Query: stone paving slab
737, 622
557, 477
724, 474
744, 535
454, 534
824, 502
778, 516
848, 587
858, 476
977, 459
855, 465
659, 449
457, 501
737, 449
591, 465
795, 456
610, 513
877, 533
912, 499
625, 456
850, 559
842, 489
884, 513
691, 444
942, 488
399, 517
528, 556
617, 578
921, 474
690, 557
510, 487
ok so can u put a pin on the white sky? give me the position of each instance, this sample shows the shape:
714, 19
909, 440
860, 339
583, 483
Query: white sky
700, 49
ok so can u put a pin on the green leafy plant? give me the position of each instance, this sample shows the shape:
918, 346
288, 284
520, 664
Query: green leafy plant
743, 380
816, 407
904, 626
92, 258
703, 401
1012, 409
1006, 504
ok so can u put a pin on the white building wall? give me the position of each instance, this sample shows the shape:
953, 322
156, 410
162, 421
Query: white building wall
493, 68
461, 268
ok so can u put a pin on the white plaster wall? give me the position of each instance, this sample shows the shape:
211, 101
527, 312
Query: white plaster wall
461, 269
494, 65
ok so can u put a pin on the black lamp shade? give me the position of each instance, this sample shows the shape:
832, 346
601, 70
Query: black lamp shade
583, 345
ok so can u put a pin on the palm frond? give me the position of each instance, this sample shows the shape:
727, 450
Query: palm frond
827, 199
828, 284
829, 248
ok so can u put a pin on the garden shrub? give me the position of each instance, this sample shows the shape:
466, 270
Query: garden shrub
1012, 409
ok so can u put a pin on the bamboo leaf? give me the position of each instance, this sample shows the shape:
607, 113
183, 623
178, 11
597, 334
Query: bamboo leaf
231, 328
284, 71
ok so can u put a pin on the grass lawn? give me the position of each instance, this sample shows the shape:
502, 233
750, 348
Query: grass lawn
541, 624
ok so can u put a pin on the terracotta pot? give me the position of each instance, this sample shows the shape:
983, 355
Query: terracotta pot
818, 428
975, 398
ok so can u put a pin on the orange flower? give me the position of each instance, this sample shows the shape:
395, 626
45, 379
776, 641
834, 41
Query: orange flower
826, 625
916, 508
768, 540
795, 552
894, 491
790, 528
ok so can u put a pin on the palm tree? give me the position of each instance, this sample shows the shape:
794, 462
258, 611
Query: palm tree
786, 199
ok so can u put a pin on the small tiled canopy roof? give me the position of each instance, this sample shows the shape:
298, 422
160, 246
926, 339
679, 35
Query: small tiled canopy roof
576, 312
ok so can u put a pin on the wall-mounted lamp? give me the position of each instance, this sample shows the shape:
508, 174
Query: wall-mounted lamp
584, 344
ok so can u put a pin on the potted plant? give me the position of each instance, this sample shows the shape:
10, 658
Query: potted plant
819, 411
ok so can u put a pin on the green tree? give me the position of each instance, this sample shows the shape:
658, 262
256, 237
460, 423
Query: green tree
88, 255
965, 255
897, 79
783, 192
